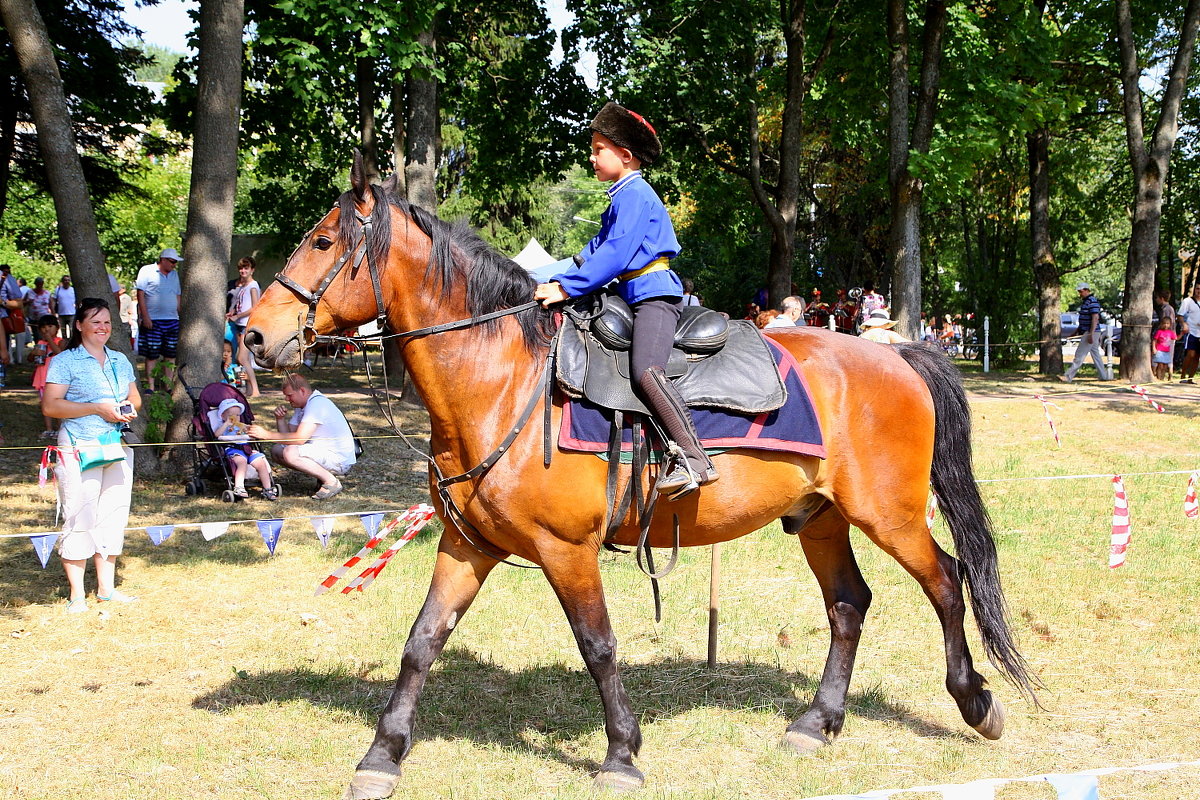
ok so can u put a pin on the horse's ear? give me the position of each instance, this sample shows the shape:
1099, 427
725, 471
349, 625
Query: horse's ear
358, 176
392, 184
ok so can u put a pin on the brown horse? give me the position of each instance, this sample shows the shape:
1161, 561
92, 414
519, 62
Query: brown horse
884, 412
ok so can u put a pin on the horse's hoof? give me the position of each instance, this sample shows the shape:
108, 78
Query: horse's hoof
619, 781
370, 784
802, 743
992, 725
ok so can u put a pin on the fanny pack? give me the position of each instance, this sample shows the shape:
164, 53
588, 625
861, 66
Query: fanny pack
103, 450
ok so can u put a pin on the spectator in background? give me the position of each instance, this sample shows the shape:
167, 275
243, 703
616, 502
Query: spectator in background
315, 439
1163, 307
1164, 348
62, 304
93, 389
844, 312
243, 297
12, 316
689, 294
871, 301
791, 315
878, 328
1089, 335
159, 298
38, 300
47, 346
817, 313
1189, 317
765, 318
129, 315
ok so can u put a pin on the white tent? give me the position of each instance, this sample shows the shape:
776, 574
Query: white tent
533, 256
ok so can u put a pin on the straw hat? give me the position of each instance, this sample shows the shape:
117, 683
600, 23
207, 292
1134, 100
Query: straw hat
879, 319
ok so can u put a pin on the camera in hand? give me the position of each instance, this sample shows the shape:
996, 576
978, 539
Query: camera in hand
125, 408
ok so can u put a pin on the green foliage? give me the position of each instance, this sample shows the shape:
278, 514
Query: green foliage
160, 66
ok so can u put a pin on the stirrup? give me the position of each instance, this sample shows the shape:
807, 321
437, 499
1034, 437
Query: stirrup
680, 479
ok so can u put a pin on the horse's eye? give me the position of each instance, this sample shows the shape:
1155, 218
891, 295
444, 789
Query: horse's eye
322, 243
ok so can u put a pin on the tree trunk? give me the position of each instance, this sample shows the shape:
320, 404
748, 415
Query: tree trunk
1045, 271
56, 139
1149, 168
8, 138
421, 165
904, 242
398, 137
364, 78
210, 201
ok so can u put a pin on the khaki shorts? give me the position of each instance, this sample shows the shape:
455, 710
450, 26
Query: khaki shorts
95, 504
323, 456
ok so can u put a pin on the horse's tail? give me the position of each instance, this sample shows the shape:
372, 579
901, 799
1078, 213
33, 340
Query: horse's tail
954, 484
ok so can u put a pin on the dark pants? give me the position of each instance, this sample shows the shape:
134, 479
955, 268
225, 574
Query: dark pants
654, 323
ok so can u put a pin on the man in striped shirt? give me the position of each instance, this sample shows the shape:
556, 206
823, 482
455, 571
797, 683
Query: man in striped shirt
1089, 335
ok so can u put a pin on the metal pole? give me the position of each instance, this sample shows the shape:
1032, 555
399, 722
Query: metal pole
714, 603
1108, 355
987, 332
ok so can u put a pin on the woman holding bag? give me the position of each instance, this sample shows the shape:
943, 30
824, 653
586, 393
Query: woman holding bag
94, 390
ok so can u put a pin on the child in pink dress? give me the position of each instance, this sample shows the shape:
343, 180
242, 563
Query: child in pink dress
48, 344
1164, 348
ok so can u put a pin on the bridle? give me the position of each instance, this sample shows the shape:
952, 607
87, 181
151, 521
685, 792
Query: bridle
308, 336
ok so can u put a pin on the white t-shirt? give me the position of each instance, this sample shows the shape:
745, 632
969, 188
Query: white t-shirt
243, 300
1189, 312
161, 291
780, 322
65, 296
333, 431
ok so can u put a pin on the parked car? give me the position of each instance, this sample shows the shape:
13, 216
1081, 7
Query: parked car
1110, 328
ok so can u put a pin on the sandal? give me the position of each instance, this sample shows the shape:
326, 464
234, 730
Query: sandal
77, 606
240, 491
116, 597
327, 491
270, 493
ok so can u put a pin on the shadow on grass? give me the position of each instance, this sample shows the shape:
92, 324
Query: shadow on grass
541, 709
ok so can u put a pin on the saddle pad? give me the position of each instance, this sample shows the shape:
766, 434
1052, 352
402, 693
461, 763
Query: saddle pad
792, 428
739, 377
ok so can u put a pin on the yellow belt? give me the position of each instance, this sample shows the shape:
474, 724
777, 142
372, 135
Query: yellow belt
657, 265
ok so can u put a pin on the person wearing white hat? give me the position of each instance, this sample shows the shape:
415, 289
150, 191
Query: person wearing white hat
233, 429
159, 298
1089, 335
878, 328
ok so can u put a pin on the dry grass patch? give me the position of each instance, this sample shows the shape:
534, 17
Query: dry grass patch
230, 680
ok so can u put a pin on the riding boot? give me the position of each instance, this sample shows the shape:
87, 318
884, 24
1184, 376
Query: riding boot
694, 468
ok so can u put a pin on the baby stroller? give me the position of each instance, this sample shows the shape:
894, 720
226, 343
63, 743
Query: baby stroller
209, 460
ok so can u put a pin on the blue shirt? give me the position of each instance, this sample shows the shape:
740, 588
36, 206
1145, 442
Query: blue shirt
87, 382
1090, 307
635, 229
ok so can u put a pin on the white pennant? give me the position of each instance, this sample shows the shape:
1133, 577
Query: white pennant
323, 526
211, 530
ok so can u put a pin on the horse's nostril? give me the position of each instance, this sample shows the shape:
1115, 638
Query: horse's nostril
253, 339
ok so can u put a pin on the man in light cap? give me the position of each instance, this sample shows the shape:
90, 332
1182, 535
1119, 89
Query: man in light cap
159, 296
1089, 335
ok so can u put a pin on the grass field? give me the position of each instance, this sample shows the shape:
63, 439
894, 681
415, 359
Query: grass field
229, 679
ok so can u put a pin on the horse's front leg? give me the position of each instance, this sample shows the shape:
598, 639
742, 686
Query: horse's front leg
459, 572
574, 575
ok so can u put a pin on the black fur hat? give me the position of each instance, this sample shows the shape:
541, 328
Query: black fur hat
627, 129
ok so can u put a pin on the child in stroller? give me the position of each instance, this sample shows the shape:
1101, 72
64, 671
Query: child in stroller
211, 460
230, 428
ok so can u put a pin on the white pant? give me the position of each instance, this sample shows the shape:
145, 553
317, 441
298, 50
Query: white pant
95, 504
1097, 357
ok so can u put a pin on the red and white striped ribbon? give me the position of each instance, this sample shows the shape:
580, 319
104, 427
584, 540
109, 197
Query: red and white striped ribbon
931, 510
418, 517
45, 471
371, 544
1146, 396
1191, 509
1120, 524
1046, 408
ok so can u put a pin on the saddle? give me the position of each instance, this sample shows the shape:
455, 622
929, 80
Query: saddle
715, 362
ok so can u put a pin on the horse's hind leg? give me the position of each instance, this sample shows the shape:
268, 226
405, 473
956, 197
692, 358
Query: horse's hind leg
938, 573
826, 543
457, 576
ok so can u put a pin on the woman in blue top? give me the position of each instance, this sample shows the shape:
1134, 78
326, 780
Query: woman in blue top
635, 246
94, 391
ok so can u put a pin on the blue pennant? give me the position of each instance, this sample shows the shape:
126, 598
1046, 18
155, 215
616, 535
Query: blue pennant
270, 528
371, 523
42, 545
160, 533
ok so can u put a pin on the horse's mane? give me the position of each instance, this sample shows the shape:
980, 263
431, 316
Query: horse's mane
456, 254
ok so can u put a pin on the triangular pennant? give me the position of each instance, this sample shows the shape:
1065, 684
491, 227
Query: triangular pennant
42, 545
323, 526
160, 533
211, 530
1075, 787
270, 528
371, 522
